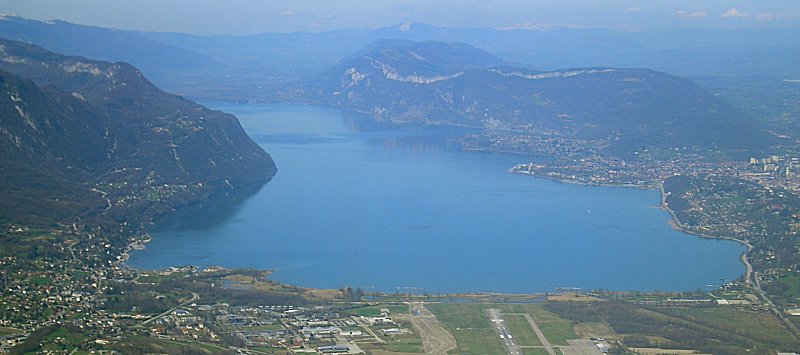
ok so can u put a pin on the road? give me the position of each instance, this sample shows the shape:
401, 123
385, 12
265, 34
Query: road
580, 347
545, 343
502, 330
750, 277
364, 325
195, 297
435, 337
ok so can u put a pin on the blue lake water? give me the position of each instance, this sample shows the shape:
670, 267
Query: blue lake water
388, 208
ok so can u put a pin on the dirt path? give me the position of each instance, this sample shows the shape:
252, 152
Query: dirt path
435, 337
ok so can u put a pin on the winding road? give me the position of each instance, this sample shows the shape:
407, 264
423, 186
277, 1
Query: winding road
750, 278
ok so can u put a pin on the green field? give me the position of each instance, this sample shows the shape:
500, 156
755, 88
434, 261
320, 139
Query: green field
7, 331
62, 339
521, 330
706, 328
158, 278
470, 326
786, 289
476, 335
145, 345
262, 327
404, 345
557, 330
268, 349
760, 326
41, 280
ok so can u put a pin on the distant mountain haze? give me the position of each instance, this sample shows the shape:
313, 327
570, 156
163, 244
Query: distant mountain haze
251, 67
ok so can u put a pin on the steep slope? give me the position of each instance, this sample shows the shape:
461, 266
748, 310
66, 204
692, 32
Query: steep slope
628, 108
49, 142
103, 130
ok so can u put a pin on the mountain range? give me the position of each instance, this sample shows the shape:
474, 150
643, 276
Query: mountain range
451, 83
83, 138
250, 67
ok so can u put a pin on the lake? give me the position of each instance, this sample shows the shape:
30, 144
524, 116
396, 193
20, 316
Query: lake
394, 208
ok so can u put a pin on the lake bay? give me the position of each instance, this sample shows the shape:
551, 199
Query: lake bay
387, 207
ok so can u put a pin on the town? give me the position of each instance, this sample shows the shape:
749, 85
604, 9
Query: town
64, 305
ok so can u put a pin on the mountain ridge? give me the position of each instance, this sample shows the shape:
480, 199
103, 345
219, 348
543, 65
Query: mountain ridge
251, 67
159, 60
141, 150
629, 108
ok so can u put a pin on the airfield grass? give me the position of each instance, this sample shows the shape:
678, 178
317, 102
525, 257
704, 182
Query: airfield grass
537, 351
470, 326
521, 330
557, 330
593, 330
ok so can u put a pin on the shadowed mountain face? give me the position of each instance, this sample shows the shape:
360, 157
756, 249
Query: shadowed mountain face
439, 83
81, 138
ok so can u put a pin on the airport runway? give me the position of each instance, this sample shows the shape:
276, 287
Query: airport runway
502, 330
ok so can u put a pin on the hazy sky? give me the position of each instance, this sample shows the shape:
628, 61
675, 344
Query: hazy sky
255, 16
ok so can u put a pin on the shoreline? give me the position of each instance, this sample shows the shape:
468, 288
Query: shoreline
674, 222
574, 182
140, 241
750, 278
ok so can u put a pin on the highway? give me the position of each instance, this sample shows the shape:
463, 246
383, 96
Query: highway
750, 278
195, 297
